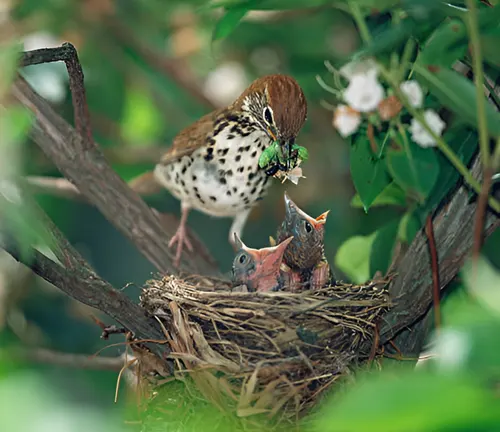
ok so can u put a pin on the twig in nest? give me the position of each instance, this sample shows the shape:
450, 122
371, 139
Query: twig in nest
376, 341
125, 366
429, 230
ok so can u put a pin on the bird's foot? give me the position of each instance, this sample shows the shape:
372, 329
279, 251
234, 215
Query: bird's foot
181, 238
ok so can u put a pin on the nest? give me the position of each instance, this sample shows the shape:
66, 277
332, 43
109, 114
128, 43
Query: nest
265, 353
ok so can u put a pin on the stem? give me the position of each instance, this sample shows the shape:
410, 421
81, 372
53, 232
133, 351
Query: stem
442, 145
360, 21
471, 21
405, 58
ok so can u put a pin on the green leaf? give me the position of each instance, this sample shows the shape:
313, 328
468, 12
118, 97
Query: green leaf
411, 402
463, 141
229, 21
353, 257
391, 195
414, 168
383, 247
490, 42
447, 44
458, 94
368, 173
409, 227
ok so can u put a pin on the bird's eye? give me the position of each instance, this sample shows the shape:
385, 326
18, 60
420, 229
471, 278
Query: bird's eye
268, 115
308, 226
243, 259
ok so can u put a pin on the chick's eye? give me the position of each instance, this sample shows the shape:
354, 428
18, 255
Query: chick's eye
308, 226
242, 259
268, 115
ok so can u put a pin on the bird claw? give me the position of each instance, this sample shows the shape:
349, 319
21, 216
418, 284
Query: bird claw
181, 238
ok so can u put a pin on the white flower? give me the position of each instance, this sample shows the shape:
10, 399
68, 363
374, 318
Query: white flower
364, 92
452, 349
346, 120
364, 67
413, 93
420, 135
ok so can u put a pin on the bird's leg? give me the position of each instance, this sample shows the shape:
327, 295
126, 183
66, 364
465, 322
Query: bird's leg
237, 227
180, 237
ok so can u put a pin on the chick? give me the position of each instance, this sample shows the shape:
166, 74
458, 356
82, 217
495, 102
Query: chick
304, 260
259, 269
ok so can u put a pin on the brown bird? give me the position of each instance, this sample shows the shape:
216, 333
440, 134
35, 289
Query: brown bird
212, 165
258, 269
304, 261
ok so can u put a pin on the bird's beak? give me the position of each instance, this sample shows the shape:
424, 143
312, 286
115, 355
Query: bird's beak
270, 258
321, 219
238, 243
292, 208
272, 133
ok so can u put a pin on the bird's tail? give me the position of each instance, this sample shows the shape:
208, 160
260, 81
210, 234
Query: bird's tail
145, 184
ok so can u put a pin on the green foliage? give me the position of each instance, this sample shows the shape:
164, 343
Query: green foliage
141, 101
390, 169
413, 402
353, 257
413, 168
368, 172
391, 195
458, 94
228, 22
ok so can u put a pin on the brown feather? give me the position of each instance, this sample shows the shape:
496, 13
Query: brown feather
283, 94
192, 137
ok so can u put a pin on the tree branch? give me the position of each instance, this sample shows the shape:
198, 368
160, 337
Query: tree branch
411, 289
82, 162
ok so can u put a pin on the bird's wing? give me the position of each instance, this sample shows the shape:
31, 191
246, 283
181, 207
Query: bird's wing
191, 138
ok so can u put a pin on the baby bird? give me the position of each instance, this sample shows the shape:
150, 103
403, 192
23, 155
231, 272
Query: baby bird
258, 269
304, 261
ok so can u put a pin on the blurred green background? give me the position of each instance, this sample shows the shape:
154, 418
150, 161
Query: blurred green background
150, 69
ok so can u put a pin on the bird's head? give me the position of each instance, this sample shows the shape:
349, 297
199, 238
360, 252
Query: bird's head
306, 249
278, 105
257, 268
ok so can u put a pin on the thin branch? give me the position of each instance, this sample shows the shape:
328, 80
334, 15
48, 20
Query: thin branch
67, 53
82, 163
429, 231
77, 361
90, 289
54, 186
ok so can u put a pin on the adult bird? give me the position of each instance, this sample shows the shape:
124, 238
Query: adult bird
212, 165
